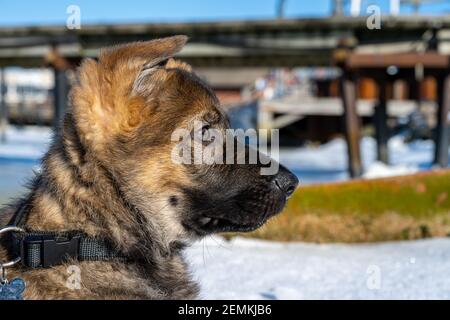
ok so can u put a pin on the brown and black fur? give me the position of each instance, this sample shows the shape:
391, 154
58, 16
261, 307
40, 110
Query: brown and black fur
109, 174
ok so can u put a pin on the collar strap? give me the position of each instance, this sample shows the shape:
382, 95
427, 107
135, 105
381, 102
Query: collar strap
39, 249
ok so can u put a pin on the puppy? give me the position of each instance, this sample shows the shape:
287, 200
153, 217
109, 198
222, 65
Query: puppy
110, 174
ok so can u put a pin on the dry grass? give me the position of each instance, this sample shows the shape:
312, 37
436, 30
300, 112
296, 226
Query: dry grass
354, 228
408, 207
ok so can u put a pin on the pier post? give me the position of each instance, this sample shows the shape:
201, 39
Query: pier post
348, 93
60, 67
3, 107
60, 95
442, 128
381, 128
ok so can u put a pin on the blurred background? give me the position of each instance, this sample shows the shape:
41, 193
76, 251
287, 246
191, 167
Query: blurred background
359, 89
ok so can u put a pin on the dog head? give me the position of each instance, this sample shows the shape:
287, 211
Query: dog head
127, 106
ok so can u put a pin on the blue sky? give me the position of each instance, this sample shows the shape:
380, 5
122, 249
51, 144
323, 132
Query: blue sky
38, 12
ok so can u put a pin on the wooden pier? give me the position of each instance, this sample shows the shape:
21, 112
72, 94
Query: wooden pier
294, 110
386, 68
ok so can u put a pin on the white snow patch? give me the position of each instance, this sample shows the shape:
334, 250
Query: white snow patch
25, 143
256, 269
328, 162
381, 170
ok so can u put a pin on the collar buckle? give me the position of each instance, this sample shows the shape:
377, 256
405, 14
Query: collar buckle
55, 250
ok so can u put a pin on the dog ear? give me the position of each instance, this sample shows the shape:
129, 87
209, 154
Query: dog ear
152, 74
145, 54
177, 64
102, 101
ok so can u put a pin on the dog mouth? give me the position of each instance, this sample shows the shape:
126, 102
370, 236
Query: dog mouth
243, 212
208, 224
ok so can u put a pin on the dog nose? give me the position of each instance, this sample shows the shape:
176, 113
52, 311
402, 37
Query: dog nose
286, 181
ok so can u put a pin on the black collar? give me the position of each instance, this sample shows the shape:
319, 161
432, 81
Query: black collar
45, 249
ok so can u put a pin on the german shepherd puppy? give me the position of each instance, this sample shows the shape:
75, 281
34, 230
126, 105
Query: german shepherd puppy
109, 173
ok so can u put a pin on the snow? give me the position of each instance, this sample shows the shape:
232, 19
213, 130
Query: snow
328, 162
28, 143
256, 269
381, 170
19, 156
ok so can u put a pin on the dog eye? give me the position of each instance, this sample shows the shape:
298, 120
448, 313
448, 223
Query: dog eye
206, 134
